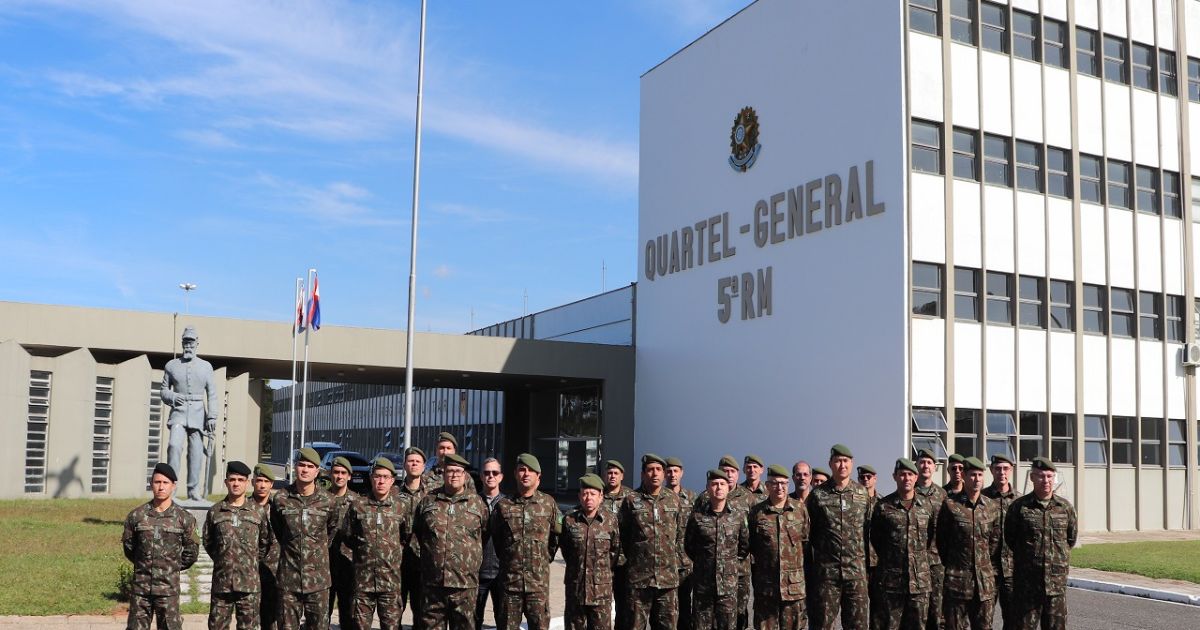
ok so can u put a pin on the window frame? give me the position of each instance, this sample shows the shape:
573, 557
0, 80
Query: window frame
1148, 73
971, 21
1170, 196
1168, 73
1026, 170
1087, 181
1063, 174
991, 161
1150, 447
1062, 437
1056, 49
1058, 306
1036, 303
1118, 65
966, 431
1003, 29
1007, 437
1006, 299
1118, 190
925, 8
939, 290
1099, 311
922, 145
964, 154
1087, 59
1128, 443
1034, 39
1093, 421
1127, 315
1035, 441
1148, 198
1174, 328
1150, 313
974, 295
1177, 450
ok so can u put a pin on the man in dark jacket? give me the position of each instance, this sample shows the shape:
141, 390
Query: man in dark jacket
490, 479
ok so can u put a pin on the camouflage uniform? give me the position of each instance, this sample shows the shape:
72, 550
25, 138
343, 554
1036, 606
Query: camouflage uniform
1041, 535
269, 595
969, 535
611, 503
304, 527
525, 532
652, 535
777, 540
450, 531
873, 591
839, 535
410, 585
377, 531
238, 539
687, 497
160, 545
740, 498
717, 543
341, 564
936, 497
904, 533
433, 479
1002, 560
592, 551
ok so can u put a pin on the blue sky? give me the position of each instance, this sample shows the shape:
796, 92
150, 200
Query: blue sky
267, 137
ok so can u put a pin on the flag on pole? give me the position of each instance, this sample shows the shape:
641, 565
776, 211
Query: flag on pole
298, 325
314, 306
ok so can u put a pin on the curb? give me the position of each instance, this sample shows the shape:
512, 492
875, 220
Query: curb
1135, 591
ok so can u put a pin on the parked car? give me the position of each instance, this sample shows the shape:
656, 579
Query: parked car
360, 468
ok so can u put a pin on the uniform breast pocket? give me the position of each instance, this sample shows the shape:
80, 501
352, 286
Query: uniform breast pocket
794, 581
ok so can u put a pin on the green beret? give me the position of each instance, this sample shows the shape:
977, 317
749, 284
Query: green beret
717, 473
264, 471
612, 463
753, 459
383, 462
905, 463
840, 450
729, 461
926, 453
413, 450
454, 459
866, 468
343, 462
675, 461
1041, 463
775, 470
821, 471
592, 482
955, 458
1001, 457
973, 463
307, 454
651, 458
530, 462
448, 437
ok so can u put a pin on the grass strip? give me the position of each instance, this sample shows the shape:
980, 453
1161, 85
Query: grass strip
1174, 559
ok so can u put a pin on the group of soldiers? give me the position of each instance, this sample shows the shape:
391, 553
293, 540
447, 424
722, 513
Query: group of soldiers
755, 552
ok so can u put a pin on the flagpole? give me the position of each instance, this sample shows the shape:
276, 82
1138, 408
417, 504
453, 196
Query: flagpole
304, 394
297, 319
412, 261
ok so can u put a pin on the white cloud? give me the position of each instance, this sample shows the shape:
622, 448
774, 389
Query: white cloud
442, 271
338, 203
210, 138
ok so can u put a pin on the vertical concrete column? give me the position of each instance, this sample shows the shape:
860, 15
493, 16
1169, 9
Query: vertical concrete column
131, 411
69, 435
14, 401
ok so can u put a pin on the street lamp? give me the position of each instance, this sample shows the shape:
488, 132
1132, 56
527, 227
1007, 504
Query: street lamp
187, 287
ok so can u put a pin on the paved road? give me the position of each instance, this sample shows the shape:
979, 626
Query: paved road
1104, 611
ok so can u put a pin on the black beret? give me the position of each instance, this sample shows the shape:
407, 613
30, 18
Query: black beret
237, 468
164, 469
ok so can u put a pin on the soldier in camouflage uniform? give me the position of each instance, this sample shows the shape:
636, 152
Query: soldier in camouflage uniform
341, 556
819, 476
591, 547
717, 540
652, 523
450, 525
525, 529
237, 536
688, 497
160, 540
615, 492
837, 510
304, 521
904, 528
1002, 493
868, 478
968, 536
415, 487
264, 485
446, 444
740, 499
955, 469
927, 463
1041, 528
778, 534
377, 529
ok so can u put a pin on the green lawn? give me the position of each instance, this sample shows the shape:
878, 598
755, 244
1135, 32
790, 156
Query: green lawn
1166, 559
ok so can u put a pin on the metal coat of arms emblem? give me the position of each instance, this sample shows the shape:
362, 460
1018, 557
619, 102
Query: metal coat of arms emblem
743, 140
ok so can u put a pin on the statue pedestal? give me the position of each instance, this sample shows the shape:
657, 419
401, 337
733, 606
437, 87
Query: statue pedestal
197, 508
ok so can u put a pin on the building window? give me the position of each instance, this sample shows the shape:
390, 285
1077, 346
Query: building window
1118, 184
1033, 435
1095, 440
926, 147
1143, 66
1029, 166
1091, 179
1175, 330
1168, 82
928, 431
1170, 195
36, 427
1176, 443
1058, 172
962, 21
1062, 305
1152, 442
923, 16
1116, 56
1121, 306
1122, 440
1150, 315
1025, 36
1094, 309
1054, 44
966, 294
996, 160
966, 429
927, 289
995, 27
1031, 312
1086, 52
966, 154
1193, 80
102, 434
154, 430
1001, 434
1147, 189
1062, 438
999, 298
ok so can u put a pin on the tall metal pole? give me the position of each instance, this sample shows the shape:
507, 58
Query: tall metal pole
297, 320
412, 260
307, 327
